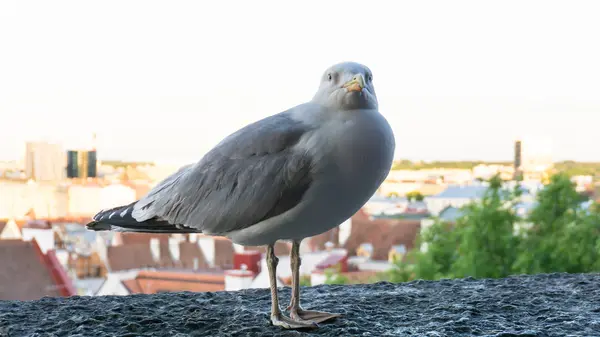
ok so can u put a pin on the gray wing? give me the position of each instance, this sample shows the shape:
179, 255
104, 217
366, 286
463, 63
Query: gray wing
252, 175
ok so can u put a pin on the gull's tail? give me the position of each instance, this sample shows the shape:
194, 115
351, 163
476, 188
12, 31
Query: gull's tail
120, 219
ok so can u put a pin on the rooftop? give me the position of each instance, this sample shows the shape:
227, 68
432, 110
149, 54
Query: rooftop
462, 191
155, 281
450, 214
540, 305
382, 233
28, 274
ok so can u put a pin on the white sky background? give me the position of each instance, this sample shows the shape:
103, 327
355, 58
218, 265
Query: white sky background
167, 80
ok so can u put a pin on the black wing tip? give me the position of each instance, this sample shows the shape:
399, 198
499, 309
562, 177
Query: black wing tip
98, 226
120, 219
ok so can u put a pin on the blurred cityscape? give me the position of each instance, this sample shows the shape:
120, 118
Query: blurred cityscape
48, 196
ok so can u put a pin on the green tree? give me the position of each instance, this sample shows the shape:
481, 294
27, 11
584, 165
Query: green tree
435, 262
487, 245
414, 195
562, 237
480, 244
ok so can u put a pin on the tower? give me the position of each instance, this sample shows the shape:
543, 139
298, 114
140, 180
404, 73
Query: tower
517, 159
92, 159
44, 161
72, 164
83, 163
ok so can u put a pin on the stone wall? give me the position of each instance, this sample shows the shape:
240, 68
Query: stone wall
541, 305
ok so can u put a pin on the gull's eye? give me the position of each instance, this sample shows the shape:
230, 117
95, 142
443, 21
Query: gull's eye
329, 77
370, 77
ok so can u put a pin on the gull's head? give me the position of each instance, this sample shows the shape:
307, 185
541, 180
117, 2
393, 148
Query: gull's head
347, 86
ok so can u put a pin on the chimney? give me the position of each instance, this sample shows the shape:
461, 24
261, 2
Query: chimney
238, 279
174, 248
249, 260
155, 249
207, 245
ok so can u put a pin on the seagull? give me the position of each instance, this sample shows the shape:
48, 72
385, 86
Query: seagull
289, 176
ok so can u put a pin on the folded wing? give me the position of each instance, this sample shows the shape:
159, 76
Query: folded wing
254, 174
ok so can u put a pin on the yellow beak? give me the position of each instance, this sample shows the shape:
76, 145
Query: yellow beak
356, 84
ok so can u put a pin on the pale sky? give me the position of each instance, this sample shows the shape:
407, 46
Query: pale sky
165, 81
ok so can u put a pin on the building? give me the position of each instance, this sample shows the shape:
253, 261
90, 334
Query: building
129, 251
533, 157
85, 199
18, 199
26, 273
375, 238
157, 281
82, 164
456, 196
86, 264
44, 161
486, 172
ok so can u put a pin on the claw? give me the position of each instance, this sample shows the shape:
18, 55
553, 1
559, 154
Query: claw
297, 314
290, 323
312, 316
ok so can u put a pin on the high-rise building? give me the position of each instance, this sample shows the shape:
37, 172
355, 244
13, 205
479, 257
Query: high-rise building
517, 155
72, 164
517, 160
44, 161
92, 164
83, 163
533, 157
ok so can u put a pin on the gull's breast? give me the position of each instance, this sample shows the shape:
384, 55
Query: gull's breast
350, 160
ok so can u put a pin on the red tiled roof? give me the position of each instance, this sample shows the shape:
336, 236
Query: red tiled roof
59, 275
281, 248
37, 224
316, 243
131, 256
136, 253
132, 286
151, 282
137, 238
132, 251
27, 274
382, 233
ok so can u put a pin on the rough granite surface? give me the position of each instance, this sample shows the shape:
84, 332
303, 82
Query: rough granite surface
542, 305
